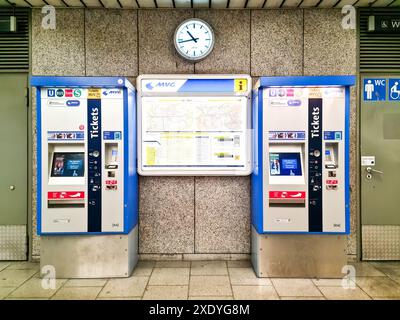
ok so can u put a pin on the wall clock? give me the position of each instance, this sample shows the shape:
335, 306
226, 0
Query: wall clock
194, 39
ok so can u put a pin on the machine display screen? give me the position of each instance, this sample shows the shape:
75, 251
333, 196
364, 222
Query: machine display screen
285, 164
68, 164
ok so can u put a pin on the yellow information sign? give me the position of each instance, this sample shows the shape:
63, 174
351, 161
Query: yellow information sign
94, 94
240, 85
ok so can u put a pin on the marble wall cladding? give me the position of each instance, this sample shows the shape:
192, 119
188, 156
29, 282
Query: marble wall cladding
166, 215
222, 214
60, 51
157, 53
276, 42
111, 42
328, 48
232, 33
202, 215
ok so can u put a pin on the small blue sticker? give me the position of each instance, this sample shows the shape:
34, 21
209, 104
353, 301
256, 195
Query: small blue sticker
332, 135
112, 135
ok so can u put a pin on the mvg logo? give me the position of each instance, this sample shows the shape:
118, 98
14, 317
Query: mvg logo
161, 84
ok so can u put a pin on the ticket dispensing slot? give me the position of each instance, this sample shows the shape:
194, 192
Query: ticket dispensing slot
331, 155
66, 174
331, 163
286, 167
111, 165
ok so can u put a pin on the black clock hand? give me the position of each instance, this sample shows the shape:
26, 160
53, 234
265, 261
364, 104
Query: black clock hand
194, 39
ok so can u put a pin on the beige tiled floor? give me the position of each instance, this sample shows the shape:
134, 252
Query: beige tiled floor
213, 280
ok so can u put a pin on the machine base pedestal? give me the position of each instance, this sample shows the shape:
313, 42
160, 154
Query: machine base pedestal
97, 256
298, 255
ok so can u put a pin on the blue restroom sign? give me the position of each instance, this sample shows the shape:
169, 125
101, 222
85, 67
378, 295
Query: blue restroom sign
374, 89
394, 89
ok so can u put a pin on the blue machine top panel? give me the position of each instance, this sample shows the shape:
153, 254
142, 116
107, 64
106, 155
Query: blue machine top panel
308, 81
104, 82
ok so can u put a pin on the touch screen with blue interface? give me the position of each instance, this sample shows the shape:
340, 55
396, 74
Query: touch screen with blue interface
68, 165
285, 164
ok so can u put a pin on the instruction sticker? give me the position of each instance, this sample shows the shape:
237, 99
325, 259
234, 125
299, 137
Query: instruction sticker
94, 94
367, 161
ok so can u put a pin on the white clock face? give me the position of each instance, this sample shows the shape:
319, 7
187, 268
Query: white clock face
194, 39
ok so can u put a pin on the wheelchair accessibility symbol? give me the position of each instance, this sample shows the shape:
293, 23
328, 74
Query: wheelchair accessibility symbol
394, 89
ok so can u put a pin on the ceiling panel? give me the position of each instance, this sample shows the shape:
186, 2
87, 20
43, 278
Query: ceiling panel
35, 3
146, 3
382, 3
183, 4
4, 3
327, 4
309, 3
200, 3
273, 3
74, 3
291, 3
395, 4
112, 4
237, 4
363, 3
343, 3
255, 3
220, 4
56, 3
20, 3
92, 3
165, 4
129, 4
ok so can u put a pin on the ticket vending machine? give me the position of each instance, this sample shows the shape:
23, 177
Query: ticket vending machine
87, 200
300, 181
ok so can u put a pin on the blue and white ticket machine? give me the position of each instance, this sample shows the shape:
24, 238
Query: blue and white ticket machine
87, 199
300, 181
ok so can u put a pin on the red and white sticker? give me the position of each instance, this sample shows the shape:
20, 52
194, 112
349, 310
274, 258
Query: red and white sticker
111, 182
68, 93
287, 195
65, 195
331, 182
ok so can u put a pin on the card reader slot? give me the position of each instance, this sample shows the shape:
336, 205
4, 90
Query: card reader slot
286, 205
64, 204
287, 201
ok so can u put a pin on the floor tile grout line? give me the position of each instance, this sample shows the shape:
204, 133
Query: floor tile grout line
148, 282
21, 284
358, 286
108, 279
273, 286
98, 293
190, 277
230, 281
319, 289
